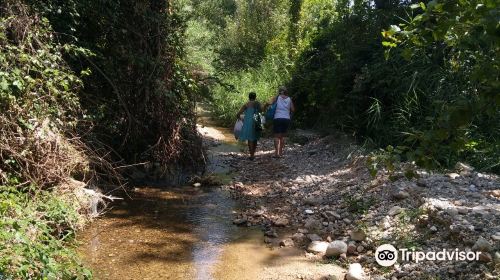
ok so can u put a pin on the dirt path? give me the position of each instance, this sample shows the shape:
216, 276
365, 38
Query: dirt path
323, 191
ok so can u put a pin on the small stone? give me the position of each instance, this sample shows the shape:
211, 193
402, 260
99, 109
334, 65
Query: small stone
309, 211
268, 240
333, 215
401, 195
358, 235
336, 248
395, 210
482, 245
497, 257
197, 185
314, 237
496, 237
433, 229
485, 257
360, 248
453, 175
312, 200
298, 237
386, 222
287, 242
347, 221
355, 272
302, 230
281, 222
312, 224
351, 249
317, 247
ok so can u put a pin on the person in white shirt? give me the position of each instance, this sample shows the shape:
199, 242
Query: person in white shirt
282, 119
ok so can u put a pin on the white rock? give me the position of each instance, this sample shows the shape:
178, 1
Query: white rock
197, 185
309, 211
317, 247
336, 248
453, 175
355, 272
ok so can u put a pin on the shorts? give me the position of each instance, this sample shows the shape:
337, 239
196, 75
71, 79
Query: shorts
280, 126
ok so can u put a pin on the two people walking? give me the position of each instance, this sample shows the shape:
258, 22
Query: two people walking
284, 108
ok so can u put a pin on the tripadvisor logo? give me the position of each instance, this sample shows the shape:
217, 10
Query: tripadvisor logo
387, 255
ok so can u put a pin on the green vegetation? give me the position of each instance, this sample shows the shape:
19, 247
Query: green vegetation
86, 86
82, 90
37, 229
422, 77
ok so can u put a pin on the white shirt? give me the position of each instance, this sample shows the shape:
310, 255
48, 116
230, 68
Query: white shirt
283, 105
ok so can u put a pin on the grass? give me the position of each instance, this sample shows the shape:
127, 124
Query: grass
37, 232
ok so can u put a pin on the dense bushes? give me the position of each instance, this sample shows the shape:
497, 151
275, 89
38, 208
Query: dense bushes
420, 77
82, 84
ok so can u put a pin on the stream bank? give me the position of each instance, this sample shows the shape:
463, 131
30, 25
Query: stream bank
187, 232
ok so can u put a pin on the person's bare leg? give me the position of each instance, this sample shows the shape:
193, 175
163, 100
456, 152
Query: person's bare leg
252, 145
276, 144
282, 144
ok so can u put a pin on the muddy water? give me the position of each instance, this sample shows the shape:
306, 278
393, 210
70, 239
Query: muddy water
176, 232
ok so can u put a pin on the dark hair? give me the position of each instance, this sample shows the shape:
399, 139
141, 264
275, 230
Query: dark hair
252, 96
282, 90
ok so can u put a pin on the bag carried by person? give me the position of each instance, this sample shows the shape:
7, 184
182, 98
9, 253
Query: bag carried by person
237, 129
259, 125
271, 111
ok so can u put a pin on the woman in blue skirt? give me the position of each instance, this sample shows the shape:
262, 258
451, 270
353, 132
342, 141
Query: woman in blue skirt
248, 131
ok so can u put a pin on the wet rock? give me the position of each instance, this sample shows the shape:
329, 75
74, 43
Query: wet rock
317, 247
336, 248
482, 245
358, 235
355, 272
287, 242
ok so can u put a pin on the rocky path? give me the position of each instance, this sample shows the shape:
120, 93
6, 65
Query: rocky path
321, 199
